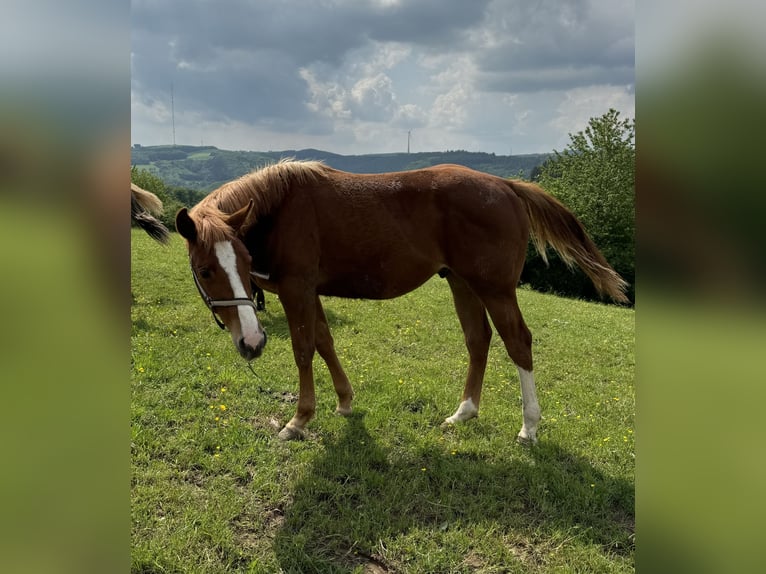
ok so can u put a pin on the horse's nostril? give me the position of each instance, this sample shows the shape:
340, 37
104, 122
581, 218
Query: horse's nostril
248, 351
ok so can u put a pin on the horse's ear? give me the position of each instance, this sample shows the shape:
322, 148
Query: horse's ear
185, 225
236, 219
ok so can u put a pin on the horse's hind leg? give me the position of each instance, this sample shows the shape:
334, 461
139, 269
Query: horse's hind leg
509, 323
477, 332
326, 349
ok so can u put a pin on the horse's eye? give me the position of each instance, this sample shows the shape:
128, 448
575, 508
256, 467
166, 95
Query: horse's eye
205, 273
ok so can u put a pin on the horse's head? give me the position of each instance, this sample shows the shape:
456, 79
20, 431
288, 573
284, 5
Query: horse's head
221, 271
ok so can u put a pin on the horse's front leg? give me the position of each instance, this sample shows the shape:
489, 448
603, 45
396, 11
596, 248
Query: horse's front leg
301, 315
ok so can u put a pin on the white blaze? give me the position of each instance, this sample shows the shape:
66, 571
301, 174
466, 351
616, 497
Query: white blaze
227, 259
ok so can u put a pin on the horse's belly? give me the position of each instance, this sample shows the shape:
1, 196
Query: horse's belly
372, 285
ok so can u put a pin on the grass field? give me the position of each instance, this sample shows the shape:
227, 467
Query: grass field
387, 489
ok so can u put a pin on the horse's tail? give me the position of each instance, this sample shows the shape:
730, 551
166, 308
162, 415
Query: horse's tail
552, 224
142, 204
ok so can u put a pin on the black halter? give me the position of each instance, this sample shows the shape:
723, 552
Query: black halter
213, 303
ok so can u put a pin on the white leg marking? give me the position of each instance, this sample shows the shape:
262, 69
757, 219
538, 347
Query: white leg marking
530, 406
466, 410
248, 321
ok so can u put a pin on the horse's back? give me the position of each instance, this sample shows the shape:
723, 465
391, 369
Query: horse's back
382, 235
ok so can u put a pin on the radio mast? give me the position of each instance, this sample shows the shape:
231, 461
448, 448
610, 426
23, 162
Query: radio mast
173, 113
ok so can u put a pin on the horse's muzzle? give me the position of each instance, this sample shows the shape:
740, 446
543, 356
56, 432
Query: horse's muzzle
247, 351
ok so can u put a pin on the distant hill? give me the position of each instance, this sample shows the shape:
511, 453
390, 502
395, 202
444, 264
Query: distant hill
204, 168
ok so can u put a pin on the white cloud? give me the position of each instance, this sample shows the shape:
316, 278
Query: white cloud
326, 98
373, 98
581, 104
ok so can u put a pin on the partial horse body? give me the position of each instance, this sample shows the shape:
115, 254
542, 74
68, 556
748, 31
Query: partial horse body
303, 229
144, 205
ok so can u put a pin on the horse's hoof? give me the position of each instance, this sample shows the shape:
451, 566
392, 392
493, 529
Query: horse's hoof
343, 411
291, 433
525, 440
452, 422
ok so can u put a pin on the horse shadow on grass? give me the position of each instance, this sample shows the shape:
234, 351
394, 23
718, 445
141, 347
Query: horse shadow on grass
358, 494
274, 320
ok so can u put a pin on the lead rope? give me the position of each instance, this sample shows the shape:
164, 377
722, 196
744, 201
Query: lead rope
250, 366
267, 390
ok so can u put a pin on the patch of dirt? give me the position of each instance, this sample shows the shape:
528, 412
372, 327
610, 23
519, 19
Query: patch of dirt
250, 530
373, 568
265, 423
473, 561
281, 396
373, 565
274, 519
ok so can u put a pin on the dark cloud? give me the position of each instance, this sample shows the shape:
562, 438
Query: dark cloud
243, 58
434, 23
531, 46
221, 79
202, 31
555, 78
305, 31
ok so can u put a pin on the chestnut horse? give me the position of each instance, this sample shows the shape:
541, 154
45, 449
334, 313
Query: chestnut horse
303, 229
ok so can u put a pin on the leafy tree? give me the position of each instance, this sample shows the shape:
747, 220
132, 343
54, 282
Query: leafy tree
145, 179
595, 178
185, 196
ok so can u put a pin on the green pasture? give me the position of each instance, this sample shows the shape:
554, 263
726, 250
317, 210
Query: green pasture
388, 489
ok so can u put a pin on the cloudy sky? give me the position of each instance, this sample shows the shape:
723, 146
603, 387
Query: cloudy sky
354, 76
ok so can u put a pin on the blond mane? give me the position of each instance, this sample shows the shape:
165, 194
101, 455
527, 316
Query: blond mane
265, 186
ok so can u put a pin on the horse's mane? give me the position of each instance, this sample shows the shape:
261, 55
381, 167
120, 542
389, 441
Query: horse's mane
265, 186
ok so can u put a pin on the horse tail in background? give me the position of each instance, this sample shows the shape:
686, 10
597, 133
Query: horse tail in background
552, 224
142, 205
